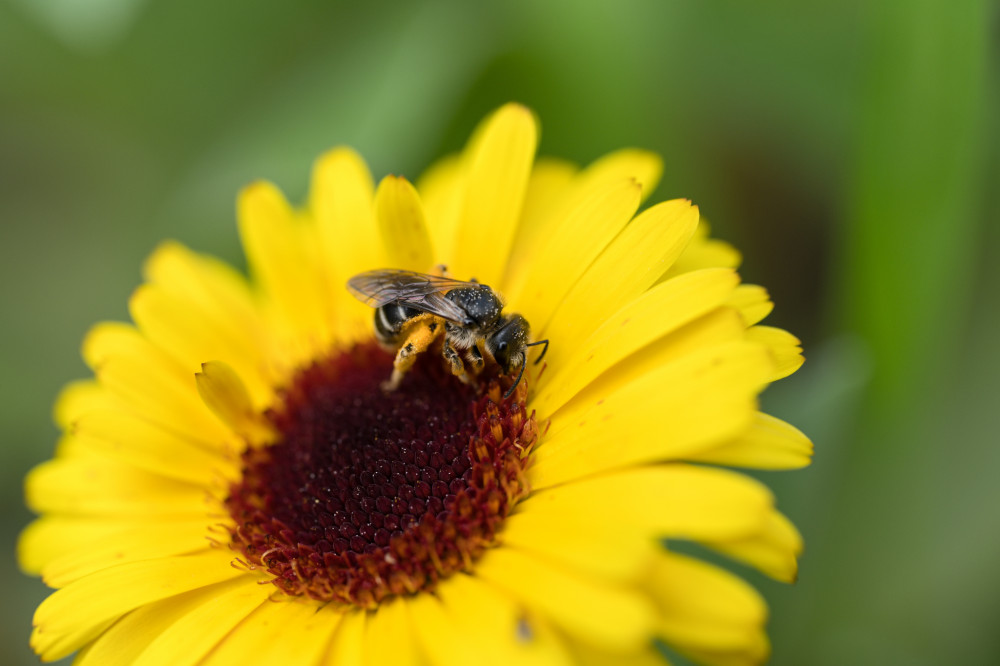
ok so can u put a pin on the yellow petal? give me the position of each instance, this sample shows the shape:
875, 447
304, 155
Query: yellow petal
77, 398
282, 256
770, 443
149, 383
648, 655
773, 548
591, 610
438, 635
676, 500
191, 337
214, 287
89, 486
753, 654
76, 614
752, 301
703, 606
704, 252
785, 347
440, 189
626, 268
347, 645
663, 309
605, 549
142, 541
402, 226
121, 436
667, 413
341, 200
389, 637
51, 537
572, 247
108, 340
548, 186
197, 633
126, 639
504, 633
499, 163
642, 167
286, 630
225, 394
716, 328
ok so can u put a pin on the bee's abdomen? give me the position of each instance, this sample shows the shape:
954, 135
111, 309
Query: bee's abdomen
389, 321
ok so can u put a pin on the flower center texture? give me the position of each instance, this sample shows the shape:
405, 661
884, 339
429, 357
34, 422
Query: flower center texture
367, 494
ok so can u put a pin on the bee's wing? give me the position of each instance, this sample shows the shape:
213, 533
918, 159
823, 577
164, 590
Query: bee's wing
415, 290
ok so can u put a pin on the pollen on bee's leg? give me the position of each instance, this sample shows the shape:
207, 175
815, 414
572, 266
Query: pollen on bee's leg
364, 494
417, 342
391, 384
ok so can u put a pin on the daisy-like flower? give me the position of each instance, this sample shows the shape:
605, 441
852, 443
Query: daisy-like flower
233, 485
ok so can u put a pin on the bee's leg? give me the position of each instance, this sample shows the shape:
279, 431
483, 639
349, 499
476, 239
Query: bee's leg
455, 362
419, 339
476, 357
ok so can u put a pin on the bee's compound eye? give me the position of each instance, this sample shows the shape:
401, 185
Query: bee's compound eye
502, 347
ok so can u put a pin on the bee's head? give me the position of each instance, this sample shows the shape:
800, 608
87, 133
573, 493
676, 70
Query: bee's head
507, 343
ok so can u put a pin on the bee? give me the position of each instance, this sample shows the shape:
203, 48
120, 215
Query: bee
412, 310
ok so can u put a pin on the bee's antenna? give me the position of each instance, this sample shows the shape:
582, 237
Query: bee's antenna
517, 381
540, 342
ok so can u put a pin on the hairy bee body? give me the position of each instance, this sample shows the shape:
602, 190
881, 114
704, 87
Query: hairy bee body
390, 321
413, 310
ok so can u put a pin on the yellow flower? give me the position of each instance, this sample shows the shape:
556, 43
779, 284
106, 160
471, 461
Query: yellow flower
234, 487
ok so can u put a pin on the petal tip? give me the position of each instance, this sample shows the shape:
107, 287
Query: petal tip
256, 187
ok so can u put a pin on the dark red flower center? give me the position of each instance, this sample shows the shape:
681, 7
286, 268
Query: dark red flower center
368, 494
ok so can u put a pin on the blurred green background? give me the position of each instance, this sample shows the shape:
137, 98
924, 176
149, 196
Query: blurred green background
848, 148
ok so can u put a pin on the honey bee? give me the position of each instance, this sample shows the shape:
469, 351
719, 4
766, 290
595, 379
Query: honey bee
412, 310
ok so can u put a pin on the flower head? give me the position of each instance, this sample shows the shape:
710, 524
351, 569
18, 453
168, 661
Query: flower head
236, 483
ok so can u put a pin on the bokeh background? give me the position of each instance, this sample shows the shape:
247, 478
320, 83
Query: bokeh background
848, 147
